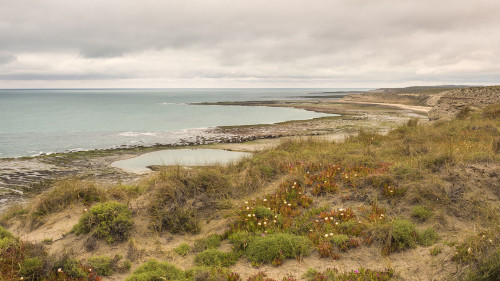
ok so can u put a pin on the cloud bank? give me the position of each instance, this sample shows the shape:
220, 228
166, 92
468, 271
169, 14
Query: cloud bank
233, 43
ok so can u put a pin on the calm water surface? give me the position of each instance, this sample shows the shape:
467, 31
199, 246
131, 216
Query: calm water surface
182, 157
33, 122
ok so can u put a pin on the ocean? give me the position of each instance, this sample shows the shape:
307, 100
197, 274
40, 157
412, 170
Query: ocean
45, 121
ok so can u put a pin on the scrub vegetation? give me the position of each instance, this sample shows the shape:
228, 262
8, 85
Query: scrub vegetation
411, 189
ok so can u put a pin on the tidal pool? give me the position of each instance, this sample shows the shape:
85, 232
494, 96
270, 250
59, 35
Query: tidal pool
183, 157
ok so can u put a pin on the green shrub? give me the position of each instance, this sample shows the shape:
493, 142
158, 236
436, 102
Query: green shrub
351, 227
210, 242
127, 265
154, 270
262, 212
4, 233
338, 240
31, 268
241, 240
6, 238
395, 236
421, 213
104, 265
427, 237
403, 235
274, 248
182, 249
71, 268
110, 221
213, 257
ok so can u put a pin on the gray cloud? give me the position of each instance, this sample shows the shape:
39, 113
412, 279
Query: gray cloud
294, 41
6, 58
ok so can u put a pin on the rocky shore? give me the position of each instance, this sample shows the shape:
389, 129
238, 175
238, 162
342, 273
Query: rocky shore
379, 110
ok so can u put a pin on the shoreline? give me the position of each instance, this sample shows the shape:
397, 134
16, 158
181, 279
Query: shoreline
23, 177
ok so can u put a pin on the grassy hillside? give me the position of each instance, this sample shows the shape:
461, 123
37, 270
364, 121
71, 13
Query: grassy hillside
419, 203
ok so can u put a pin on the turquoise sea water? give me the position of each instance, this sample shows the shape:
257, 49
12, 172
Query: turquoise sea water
33, 122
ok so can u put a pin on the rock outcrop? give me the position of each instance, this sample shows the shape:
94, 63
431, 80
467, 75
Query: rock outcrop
452, 103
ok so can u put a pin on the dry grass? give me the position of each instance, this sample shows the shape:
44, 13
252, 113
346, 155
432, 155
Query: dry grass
381, 182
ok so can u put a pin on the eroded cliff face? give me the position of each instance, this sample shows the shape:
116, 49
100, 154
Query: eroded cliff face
452, 103
446, 103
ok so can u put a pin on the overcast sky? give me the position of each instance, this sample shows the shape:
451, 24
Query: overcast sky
253, 43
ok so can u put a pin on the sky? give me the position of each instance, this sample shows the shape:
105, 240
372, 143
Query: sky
252, 43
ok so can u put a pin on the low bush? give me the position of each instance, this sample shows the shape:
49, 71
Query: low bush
168, 208
182, 249
427, 237
395, 236
262, 212
403, 235
154, 270
421, 213
338, 240
71, 268
179, 220
30, 261
104, 265
110, 221
241, 240
6, 238
31, 268
210, 242
213, 257
275, 248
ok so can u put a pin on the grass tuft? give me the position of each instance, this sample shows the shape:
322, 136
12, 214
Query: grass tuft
427, 237
211, 242
182, 250
421, 213
63, 194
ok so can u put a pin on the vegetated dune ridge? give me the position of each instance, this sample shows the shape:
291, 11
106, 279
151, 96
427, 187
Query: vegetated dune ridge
420, 203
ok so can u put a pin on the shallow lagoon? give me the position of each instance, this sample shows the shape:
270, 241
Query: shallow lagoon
183, 157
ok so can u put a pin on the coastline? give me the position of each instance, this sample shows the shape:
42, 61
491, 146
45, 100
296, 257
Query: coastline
21, 178
417, 172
